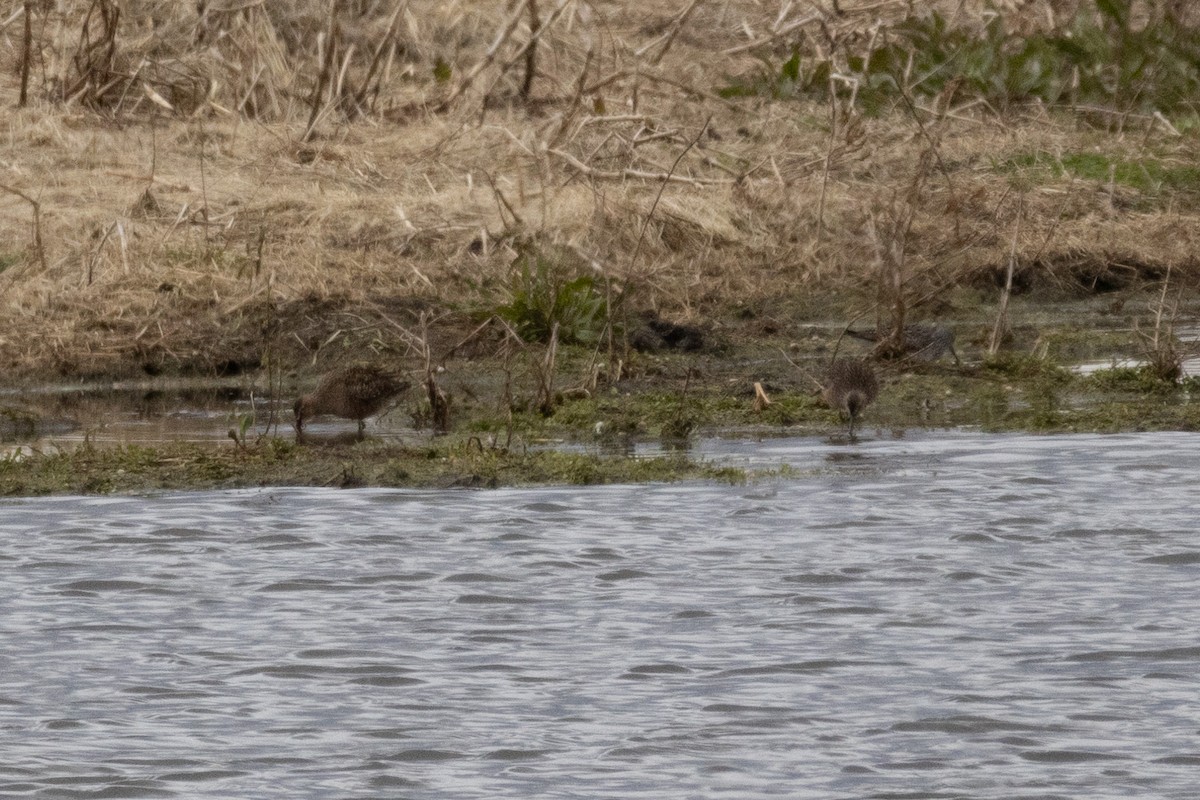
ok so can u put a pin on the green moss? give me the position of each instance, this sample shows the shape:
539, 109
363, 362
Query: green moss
1115, 416
1021, 366
1141, 380
1149, 175
667, 415
92, 470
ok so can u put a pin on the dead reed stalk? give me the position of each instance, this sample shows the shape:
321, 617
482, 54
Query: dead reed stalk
842, 119
355, 102
332, 38
891, 245
95, 57
890, 254
535, 27
38, 248
26, 53
544, 401
489, 57
1160, 347
1000, 329
420, 343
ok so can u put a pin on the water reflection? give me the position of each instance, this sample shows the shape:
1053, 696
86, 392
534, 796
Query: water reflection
952, 615
201, 411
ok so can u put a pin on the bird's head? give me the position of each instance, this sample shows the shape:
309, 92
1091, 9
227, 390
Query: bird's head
300, 409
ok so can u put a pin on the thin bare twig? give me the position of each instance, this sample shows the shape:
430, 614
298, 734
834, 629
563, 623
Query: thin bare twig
489, 57
1001, 326
627, 173
669, 37
637, 249
801, 370
38, 247
331, 40
26, 53
535, 27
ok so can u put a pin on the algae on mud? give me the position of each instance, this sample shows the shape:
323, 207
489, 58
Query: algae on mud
668, 397
277, 462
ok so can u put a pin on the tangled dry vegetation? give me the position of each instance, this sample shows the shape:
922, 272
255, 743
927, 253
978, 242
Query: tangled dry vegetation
197, 187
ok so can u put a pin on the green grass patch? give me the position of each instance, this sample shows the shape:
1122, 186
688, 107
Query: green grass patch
1139, 380
9, 258
1147, 175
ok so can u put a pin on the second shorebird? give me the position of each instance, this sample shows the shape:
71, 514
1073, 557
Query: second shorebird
922, 341
850, 387
354, 392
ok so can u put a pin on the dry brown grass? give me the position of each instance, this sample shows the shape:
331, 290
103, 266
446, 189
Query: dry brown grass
181, 190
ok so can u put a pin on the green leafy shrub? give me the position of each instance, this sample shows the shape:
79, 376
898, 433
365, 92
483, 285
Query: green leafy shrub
779, 83
543, 293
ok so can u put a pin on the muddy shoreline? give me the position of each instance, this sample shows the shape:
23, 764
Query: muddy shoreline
202, 431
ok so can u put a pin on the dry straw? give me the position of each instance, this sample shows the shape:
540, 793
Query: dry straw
167, 157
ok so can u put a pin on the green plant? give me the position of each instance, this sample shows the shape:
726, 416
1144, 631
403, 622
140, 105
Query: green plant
244, 423
1012, 365
442, 72
543, 295
1140, 380
1102, 57
1148, 174
777, 82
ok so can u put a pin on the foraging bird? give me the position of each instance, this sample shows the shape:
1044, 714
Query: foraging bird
922, 341
850, 388
354, 392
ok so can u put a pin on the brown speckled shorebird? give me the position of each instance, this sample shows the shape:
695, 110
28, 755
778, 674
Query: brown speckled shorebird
850, 388
354, 392
923, 341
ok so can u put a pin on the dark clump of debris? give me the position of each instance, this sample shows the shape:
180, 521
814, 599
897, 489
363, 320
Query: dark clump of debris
651, 333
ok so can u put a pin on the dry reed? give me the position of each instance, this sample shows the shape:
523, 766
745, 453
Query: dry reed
408, 154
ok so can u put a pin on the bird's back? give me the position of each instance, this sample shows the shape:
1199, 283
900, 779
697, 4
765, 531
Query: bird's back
928, 342
922, 340
851, 386
357, 391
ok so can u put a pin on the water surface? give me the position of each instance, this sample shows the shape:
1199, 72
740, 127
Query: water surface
955, 615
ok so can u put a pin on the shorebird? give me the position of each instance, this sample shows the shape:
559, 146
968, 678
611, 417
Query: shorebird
922, 341
354, 392
850, 388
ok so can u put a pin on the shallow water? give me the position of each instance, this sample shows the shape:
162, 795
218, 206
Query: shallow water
1188, 368
955, 615
151, 413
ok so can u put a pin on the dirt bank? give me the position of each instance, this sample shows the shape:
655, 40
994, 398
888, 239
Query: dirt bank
519, 225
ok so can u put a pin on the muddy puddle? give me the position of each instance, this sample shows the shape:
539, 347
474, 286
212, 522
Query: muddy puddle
1189, 341
60, 417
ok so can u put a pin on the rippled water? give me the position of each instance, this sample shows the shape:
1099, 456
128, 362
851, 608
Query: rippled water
951, 615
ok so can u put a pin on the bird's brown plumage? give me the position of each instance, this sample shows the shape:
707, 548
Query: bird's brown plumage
850, 388
354, 392
921, 341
